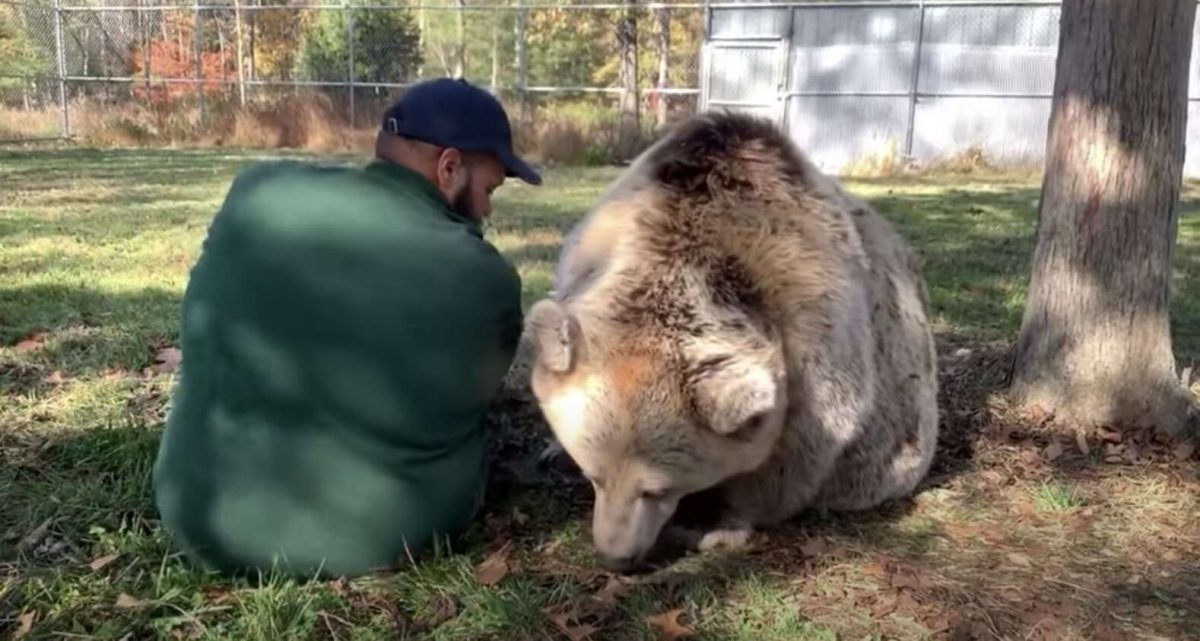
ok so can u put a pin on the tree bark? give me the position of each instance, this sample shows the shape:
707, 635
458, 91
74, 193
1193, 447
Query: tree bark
664, 60
522, 62
496, 57
253, 17
630, 129
237, 16
460, 53
1095, 340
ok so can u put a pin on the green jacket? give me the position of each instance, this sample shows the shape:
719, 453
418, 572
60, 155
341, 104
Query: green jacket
342, 334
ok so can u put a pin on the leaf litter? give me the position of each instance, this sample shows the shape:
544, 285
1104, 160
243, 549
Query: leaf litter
167, 360
582, 617
127, 602
33, 341
495, 567
101, 562
24, 625
669, 626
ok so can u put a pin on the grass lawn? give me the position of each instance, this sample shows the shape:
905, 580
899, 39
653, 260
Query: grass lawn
1020, 533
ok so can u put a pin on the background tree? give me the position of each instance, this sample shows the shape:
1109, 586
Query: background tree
1095, 341
627, 41
271, 42
386, 46
18, 55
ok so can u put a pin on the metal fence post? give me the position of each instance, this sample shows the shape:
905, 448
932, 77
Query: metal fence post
350, 53
916, 80
61, 55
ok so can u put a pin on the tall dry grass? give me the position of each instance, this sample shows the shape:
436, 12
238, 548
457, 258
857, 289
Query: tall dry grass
307, 122
576, 131
17, 123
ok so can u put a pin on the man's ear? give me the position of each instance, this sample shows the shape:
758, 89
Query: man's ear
555, 336
449, 162
738, 394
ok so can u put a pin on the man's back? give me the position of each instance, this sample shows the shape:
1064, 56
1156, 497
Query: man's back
343, 333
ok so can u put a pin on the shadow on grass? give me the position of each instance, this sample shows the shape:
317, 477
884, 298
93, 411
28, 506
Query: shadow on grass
975, 245
965, 558
83, 332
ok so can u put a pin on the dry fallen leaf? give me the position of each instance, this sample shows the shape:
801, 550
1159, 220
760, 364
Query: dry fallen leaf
186, 631
814, 548
884, 606
1020, 560
905, 603
611, 592
24, 625
32, 342
35, 536
1184, 451
668, 624
494, 568
876, 568
217, 595
1053, 451
992, 477
1104, 632
444, 609
962, 531
167, 360
340, 587
125, 601
905, 578
562, 617
115, 373
99, 563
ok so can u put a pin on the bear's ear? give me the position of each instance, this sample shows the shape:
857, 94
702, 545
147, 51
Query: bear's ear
554, 334
737, 394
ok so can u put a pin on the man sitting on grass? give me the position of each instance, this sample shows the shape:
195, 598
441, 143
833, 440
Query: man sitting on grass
342, 334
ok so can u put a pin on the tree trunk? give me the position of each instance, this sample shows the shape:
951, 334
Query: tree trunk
253, 17
1095, 341
630, 118
522, 62
144, 32
496, 57
422, 39
221, 48
664, 60
460, 53
237, 16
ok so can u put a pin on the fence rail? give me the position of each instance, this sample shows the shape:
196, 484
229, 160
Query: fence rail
847, 79
565, 60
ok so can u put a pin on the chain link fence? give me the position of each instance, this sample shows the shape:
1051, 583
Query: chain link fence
853, 81
263, 71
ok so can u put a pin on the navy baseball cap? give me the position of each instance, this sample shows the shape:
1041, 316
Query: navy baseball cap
450, 112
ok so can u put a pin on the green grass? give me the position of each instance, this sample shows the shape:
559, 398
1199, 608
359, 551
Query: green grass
95, 249
1055, 496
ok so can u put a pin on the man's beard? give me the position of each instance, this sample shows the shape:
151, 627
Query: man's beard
462, 204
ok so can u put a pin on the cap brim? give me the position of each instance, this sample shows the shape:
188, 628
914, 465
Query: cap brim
517, 168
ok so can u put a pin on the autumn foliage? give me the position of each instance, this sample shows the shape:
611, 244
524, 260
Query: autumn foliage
175, 57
